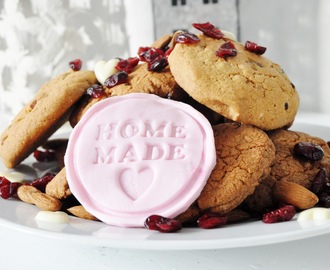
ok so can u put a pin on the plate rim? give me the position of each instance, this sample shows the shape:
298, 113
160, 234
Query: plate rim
170, 244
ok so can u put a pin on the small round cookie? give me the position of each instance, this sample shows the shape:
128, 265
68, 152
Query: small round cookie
288, 167
140, 80
246, 88
244, 156
291, 168
43, 115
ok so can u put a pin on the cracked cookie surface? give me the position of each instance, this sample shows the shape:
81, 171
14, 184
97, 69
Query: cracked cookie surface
247, 88
294, 169
244, 156
139, 81
288, 167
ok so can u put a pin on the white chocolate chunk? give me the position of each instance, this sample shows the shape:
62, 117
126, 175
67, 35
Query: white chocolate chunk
104, 70
13, 176
229, 35
58, 217
315, 214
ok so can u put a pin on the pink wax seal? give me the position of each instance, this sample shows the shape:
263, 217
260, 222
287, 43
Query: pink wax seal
136, 155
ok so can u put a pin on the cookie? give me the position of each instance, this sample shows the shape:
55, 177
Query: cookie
247, 88
288, 167
291, 168
162, 42
244, 156
43, 115
140, 80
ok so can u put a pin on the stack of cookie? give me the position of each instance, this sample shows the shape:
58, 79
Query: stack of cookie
248, 99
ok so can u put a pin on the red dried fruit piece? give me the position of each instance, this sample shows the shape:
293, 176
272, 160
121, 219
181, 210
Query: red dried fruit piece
44, 156
311, 151
186, 38
127, 65
168, 52
284, 213
116, 79
255, 48
162, 224
158, 65
209, 30
75, 64
95, 91
150, 54
9, 190
324, 199
4, 181
226, 50
211, 220
320, 180
41, 183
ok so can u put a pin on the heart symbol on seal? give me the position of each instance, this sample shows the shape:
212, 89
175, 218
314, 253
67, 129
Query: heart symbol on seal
135, 183
103, 70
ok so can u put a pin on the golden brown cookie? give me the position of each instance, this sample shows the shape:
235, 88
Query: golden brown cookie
140, 80
288, 167
43, 115
291, 168
143, 81
244, 155
162, 42
246, 88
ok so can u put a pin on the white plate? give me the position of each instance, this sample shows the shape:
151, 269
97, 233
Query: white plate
19, 216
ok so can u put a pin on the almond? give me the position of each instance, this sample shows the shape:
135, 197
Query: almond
24, 193
46, 202
294, 194
32, 195
80, 211
59, 187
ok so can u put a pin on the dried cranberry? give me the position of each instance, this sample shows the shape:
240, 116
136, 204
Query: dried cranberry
4, 181
44, 156
324, 199
9, 190
116, 79
186, 38
226, 50
127, 65
209, 30
75, 64
168, 51
95, 91
320, 181
150, 54
41, 183
158, 65
211, 220
162, 224
308, 150
254, 47
284, 213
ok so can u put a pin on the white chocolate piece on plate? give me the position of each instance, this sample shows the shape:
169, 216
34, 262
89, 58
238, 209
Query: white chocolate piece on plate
57, 217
